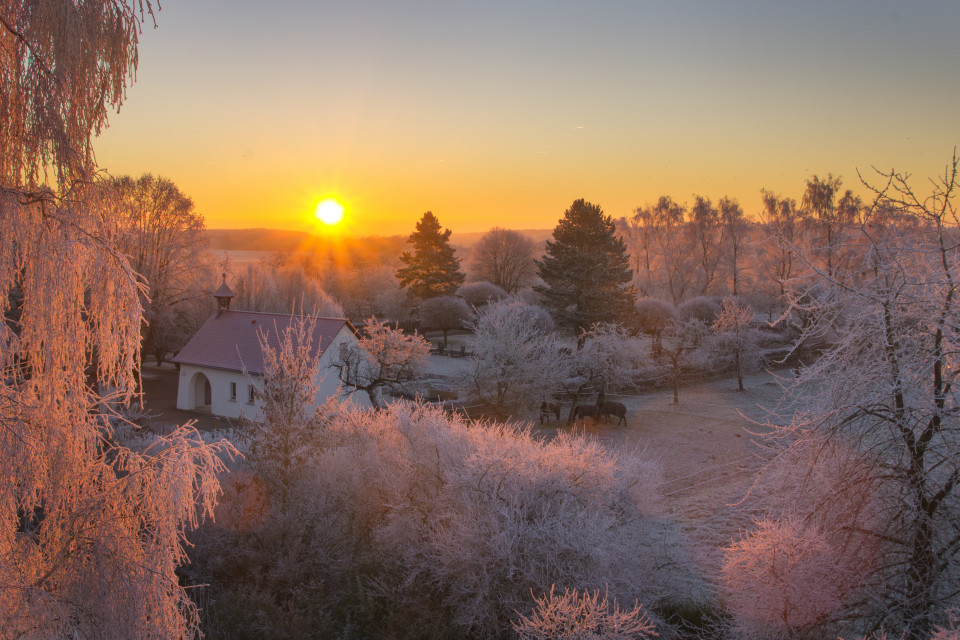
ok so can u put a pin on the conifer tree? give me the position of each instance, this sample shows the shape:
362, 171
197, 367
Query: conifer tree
432, 269
585, 270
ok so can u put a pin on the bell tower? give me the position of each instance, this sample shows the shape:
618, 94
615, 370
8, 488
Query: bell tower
223, 296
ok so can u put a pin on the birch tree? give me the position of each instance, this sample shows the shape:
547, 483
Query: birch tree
91, 531
781, 222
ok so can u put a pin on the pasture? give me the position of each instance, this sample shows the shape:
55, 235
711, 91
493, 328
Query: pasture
709, 460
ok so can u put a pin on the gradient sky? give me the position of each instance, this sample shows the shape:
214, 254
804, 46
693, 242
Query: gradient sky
493, 113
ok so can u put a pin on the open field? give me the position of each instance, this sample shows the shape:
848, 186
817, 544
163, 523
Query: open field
708, 456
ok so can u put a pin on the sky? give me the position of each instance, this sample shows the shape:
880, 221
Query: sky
502, 113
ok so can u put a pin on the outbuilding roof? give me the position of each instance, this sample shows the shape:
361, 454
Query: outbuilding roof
231, 339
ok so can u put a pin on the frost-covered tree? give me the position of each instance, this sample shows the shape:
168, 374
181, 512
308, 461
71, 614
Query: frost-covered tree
419, 525
585, 270
708, 237
781, 223
885, 388
682, 343
516, 363
433, 269
291, 431
786, 577
282, 288
736, 232
385, 358
91, 531
702, 308
574, 615
653, 316
736, 338
608, 356
475, 519
477, 294
162, 234
445, 313
505, 258
801, 570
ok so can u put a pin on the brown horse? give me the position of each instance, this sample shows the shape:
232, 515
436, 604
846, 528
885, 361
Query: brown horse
582, 411
546, 408
611, 408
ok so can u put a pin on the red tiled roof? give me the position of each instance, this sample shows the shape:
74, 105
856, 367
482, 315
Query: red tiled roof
230, 340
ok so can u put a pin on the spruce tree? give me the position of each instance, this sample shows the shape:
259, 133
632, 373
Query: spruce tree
585, 270
432, 269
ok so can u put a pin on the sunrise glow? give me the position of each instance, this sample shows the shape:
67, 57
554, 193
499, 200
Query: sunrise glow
329, 212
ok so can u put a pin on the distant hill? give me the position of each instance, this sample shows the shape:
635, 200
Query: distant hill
257, 239
288, 241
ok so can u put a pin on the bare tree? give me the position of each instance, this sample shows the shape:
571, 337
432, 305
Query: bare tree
681, 349
736, 338
505, 258
91, 531
708, 238
653, 317
478, 294
384, 359
675, 249
641, 233
781, 221
828, 217
282, 288
445, 313
736, 230
163, 236
885, 389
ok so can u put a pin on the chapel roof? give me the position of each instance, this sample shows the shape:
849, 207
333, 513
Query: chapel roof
231, 339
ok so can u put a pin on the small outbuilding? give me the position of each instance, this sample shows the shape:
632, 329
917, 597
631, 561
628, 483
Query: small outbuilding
222, 365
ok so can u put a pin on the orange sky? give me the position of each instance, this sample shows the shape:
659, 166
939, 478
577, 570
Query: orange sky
502, 113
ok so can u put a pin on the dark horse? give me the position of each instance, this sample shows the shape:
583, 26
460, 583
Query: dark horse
546, 408
610, 408
582, 411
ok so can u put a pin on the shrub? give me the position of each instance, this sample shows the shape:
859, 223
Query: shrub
477, 294
414, 524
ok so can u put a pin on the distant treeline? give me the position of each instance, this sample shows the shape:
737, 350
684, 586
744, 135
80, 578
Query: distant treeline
285, 240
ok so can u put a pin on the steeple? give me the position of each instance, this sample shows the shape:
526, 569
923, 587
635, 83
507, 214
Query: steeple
223, 296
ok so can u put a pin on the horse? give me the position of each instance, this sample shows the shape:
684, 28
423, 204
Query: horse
582, 411
618, 409
546, 408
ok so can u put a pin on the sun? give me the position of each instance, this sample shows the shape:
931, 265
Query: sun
329, 212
